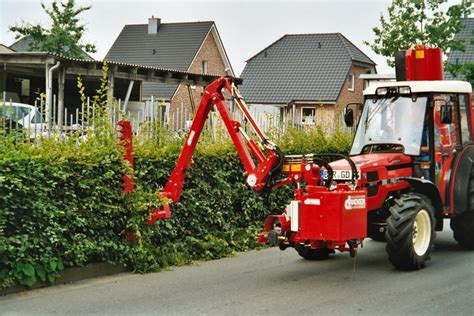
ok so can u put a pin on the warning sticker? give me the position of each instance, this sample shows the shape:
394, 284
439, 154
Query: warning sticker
420, 54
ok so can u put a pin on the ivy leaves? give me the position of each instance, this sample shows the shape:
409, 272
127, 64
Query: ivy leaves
27, 273
61, 206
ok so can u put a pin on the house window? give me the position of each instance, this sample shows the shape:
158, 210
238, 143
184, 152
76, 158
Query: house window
308, 115
25, 87
351, 82
204, 66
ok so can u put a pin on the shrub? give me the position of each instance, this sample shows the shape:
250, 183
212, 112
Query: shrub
61, 205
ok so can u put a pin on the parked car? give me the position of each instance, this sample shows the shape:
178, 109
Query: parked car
22, 116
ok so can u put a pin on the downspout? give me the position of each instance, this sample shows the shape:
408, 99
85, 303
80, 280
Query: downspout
127, 96
49, 105
293, 113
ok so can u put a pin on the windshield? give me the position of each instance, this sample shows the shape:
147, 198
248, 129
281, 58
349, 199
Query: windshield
37, 118
19, 113
391, 123
14, 113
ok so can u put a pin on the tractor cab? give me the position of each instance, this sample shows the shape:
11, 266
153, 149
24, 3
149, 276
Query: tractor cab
428, 121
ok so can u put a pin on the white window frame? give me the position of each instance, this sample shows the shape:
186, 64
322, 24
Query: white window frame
205, 66
314, 117
351, 82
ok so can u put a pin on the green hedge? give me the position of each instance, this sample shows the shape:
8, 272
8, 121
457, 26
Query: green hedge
61, 206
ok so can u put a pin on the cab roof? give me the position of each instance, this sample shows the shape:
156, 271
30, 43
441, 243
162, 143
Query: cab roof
446, 86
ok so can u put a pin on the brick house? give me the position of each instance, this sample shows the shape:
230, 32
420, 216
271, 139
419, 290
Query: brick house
309, 78
194, 47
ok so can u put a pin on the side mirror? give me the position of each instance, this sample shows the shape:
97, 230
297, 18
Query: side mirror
349, 117
446, 113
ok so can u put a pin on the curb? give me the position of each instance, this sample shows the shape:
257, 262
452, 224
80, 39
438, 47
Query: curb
69, 275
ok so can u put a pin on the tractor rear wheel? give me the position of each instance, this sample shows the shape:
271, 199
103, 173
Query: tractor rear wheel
410, 231
463, 228
463, 224
313, 254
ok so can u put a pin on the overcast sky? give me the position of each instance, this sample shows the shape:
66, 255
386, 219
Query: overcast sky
245, 26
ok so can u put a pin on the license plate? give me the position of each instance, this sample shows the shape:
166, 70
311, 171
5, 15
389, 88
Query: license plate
337, 174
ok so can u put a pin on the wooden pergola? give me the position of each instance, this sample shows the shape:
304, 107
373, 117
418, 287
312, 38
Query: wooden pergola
49, 66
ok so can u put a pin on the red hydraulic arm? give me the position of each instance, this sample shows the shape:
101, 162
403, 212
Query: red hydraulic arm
262, 161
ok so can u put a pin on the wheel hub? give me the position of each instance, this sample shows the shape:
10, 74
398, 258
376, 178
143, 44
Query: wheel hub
421, 235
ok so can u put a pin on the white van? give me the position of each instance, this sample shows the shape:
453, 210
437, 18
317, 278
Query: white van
24, 116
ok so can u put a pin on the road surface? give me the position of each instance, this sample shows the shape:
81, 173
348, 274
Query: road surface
271, 282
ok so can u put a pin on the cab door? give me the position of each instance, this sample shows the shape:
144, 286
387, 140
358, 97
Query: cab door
446, 140
453, 152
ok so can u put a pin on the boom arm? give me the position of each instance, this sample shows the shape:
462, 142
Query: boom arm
268, 157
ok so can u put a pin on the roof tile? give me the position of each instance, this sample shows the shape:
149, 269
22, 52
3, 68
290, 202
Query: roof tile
459, 57
174, 46
300, 67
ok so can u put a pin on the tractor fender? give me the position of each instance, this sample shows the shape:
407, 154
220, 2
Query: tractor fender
458, 188
430, 190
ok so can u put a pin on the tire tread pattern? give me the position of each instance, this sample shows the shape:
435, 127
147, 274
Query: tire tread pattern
400, 228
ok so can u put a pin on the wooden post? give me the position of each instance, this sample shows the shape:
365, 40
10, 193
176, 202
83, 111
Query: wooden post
3, 79
110, 91
293, 114
191, 99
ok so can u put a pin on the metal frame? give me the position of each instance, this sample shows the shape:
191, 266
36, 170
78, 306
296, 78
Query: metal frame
258, 158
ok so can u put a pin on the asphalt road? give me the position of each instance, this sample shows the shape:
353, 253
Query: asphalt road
271, 282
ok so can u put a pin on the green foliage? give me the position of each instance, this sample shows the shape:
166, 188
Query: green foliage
464, 70
315, 141
412, 22
61, 203
57, 205
65, 34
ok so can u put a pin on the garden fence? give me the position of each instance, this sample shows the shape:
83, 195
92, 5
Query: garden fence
148, 119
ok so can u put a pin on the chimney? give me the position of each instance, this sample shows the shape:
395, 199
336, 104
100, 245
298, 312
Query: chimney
153, 25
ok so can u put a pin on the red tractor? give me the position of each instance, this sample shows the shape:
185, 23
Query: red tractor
410, 166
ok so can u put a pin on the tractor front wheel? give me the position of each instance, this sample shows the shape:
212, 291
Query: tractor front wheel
313, 254
410, 231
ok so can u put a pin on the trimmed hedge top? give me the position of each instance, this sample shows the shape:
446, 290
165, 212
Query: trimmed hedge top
61, 205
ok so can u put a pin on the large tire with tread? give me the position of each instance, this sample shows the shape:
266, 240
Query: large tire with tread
313, 254
463, 229
463, 224
410, 231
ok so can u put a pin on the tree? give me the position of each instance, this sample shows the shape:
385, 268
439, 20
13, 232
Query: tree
65, 34
412, 22
465, 71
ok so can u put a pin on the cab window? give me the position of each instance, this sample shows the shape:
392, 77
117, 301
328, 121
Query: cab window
464, 116
446, 135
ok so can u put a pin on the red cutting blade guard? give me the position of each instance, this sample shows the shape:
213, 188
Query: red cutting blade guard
163, 212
